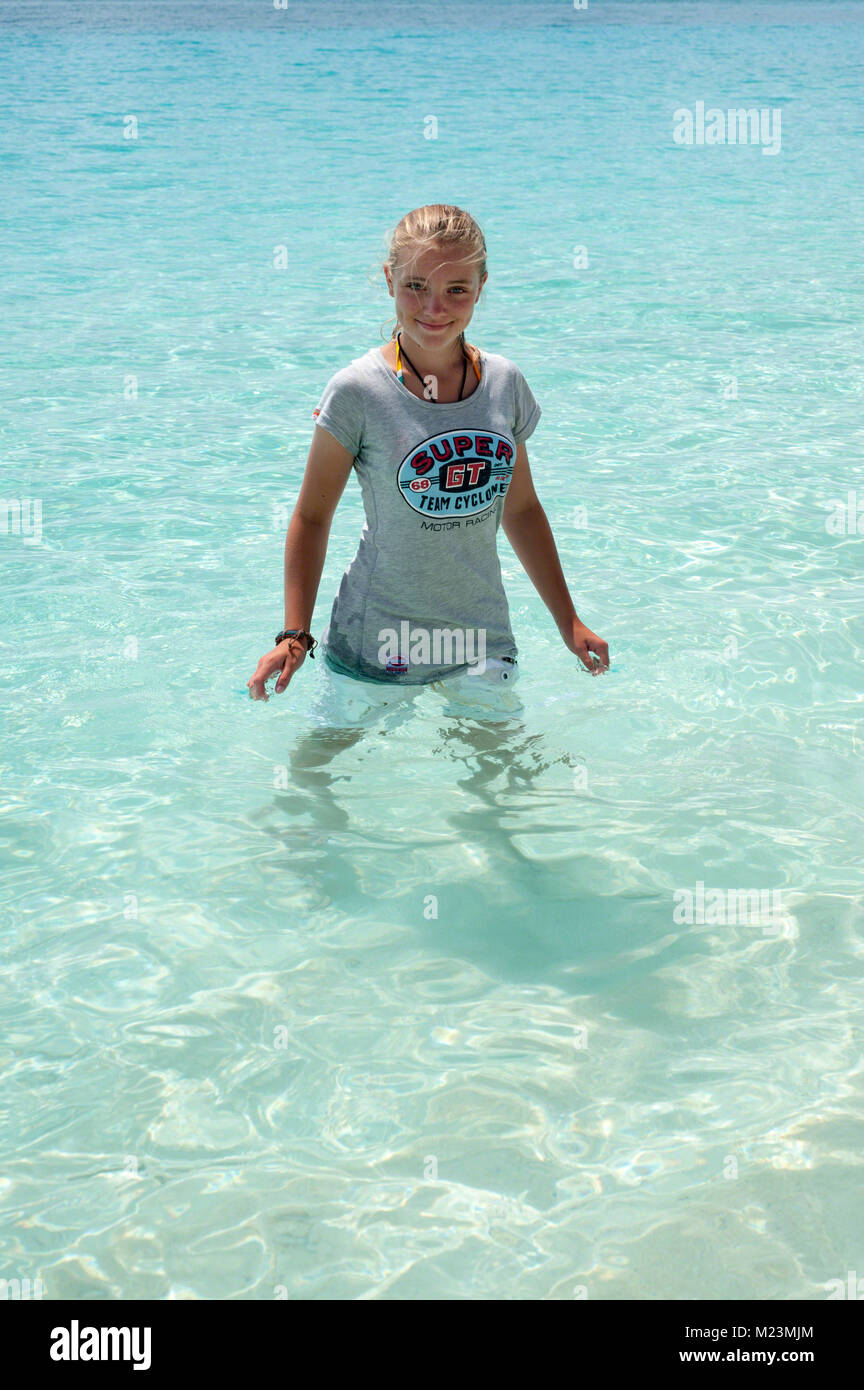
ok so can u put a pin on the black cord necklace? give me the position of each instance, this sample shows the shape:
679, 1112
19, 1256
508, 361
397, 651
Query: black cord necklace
422, 379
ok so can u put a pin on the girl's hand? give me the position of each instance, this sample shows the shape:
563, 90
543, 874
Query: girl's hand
582, 641
287, 659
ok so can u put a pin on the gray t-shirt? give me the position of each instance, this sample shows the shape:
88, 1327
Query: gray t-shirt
433, 477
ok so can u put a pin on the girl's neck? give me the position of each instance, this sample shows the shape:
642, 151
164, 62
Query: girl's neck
433, 362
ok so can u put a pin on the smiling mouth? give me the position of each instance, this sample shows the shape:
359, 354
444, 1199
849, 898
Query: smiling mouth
431, 325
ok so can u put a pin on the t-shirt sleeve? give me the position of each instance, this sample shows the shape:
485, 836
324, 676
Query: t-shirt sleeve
340, 411
527, 412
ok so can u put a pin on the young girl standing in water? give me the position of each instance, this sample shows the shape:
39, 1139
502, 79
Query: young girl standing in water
436, 429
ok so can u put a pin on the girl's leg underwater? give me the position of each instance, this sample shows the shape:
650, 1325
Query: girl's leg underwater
344, 710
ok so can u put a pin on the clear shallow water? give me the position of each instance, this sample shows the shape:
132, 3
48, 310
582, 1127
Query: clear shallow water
239, 1052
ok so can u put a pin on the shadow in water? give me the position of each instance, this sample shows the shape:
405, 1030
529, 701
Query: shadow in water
534, 917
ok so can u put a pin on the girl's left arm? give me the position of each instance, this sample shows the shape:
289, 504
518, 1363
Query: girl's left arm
527, 528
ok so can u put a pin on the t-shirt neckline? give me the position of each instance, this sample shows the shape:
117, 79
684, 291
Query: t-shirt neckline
435, 405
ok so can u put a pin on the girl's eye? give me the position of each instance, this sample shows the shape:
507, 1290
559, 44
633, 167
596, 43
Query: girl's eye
415, 285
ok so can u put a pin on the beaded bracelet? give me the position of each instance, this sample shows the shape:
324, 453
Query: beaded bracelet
311, 643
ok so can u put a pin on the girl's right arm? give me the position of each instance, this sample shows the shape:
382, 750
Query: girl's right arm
327, 471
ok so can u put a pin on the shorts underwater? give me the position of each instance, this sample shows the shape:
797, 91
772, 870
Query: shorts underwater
345, 701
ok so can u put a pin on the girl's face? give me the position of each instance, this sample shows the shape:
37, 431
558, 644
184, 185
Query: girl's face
435, 294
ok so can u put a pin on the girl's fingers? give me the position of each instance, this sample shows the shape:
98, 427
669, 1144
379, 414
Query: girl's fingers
595, 644
593, 667
263, 671
285, 663
602, 651
256, 688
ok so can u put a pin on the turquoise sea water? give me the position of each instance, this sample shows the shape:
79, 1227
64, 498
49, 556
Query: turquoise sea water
415, 1016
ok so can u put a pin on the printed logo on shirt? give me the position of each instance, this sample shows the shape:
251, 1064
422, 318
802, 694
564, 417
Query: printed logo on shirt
458, 473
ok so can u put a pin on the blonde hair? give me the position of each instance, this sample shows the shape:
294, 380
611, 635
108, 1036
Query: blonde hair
436, 224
